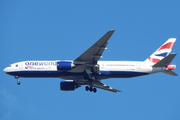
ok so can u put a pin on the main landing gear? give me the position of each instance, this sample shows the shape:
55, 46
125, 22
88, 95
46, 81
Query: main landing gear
18, 81
91, 89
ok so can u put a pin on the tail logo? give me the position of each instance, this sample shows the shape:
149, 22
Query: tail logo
154, 60
162, 52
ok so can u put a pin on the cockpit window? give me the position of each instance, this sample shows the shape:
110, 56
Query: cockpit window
9, 66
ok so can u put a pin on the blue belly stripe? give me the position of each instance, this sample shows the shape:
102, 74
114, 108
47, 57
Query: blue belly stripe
59, 74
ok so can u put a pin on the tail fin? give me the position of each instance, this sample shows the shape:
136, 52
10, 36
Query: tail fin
161, 52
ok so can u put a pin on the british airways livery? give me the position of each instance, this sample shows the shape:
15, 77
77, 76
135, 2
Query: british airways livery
88, 70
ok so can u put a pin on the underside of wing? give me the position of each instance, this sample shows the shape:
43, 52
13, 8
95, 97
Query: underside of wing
103, 86
96, 84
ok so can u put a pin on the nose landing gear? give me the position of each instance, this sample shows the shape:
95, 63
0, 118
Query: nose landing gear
18, 81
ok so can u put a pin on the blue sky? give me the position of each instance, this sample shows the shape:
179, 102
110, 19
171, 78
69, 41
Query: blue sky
62, 30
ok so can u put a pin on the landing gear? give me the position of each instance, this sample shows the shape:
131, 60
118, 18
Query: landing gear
87, 88
91, 89
18, 81
90, 77
94, 90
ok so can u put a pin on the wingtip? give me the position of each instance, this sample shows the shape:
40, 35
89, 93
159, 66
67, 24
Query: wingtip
112, 30
118, 91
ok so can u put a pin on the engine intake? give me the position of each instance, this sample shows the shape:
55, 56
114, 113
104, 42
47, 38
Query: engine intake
68, 85
65, 65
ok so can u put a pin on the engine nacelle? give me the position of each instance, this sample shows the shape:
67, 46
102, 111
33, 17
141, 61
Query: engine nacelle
65, 65
68, 85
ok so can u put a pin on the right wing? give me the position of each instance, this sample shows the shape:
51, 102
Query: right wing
96, 84
103, 86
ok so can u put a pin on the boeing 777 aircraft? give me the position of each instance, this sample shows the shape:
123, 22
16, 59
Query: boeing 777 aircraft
88, 70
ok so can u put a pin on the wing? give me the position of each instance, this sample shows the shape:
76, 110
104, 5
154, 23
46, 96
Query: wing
103, 86
90, 58
93, 54
96, 84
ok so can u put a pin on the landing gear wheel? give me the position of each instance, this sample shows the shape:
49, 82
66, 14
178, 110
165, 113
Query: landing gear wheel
87, 88
90, 89
18, 82
94, 90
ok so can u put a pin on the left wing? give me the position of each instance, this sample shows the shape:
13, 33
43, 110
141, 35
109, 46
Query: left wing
93, 54
103, 86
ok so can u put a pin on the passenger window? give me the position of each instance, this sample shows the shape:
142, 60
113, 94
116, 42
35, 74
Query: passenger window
17, 65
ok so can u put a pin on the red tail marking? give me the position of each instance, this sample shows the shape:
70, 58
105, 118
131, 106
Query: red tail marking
154, 60
167, 46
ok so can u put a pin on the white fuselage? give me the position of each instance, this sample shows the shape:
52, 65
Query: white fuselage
107, 69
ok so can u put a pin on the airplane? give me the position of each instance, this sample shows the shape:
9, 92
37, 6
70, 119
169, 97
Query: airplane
88, 70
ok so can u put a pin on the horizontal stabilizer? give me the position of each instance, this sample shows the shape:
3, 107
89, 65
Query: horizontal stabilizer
165, 61
169, 72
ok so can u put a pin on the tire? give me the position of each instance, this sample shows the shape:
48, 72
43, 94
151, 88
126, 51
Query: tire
94, 90
86, 88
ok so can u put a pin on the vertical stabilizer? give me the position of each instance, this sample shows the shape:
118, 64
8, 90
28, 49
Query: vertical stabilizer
161, 52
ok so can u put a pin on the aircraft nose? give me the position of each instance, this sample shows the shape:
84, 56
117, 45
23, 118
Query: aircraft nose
5, 70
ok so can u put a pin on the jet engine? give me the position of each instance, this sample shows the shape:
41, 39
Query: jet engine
68, 85
65, 65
